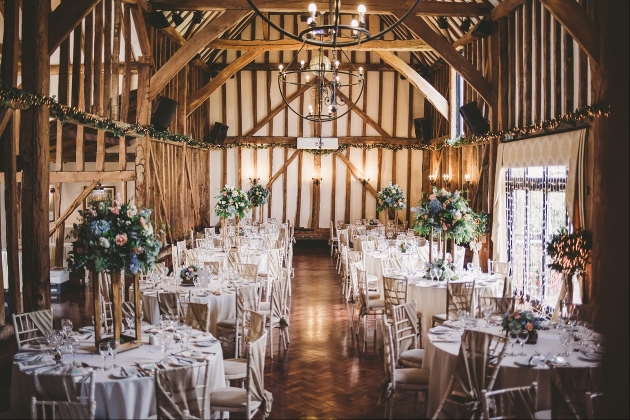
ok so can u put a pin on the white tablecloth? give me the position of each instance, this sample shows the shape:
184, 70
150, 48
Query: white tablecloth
441, 358
221, 307
129, 398
430, 296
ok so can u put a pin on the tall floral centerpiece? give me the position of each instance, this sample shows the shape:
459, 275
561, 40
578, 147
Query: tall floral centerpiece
446, 214
480, 221
391, 197
258, 196
115, 239
570, 254
231, 202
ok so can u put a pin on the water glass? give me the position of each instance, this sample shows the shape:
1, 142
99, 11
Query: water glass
566, 335
103, 349
486, 311
66, 327
513, 338
113, 346
523, 335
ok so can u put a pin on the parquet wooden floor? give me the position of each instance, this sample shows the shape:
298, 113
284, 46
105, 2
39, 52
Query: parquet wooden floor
324, 373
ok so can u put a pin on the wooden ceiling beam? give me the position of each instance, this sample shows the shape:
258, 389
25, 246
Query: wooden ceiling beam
188, 51
64, 19
505, 8
350, 140
342, 66
276, 110
357, 110
141, 30
199, 97
291, 45
437, 100
300, 6
460, 64
577, 23
143, 5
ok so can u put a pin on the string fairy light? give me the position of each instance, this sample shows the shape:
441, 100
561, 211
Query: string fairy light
20, 99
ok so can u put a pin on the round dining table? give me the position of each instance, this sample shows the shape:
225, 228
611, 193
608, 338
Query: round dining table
221, 301
430, 295
440, 358
117, 396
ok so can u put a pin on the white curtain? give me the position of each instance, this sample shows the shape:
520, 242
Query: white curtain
562, 149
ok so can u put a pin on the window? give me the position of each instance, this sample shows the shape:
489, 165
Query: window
535, 210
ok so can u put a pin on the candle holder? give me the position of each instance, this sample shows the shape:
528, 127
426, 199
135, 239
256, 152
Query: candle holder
446, 178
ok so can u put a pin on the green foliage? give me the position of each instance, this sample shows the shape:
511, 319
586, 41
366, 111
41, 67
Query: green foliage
390, 197
448, 213
113, 237
258, 195
232, 202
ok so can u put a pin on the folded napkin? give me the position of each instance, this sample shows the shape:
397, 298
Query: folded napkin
25, 366
443, 339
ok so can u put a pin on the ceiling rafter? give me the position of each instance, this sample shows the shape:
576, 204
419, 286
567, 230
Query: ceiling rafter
460, 64
198, 98
437, 100
577, 23
64, 19
190, 49
373, 6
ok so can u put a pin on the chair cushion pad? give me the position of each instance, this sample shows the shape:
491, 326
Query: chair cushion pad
235, 367
228, 397
413, 356
411, 376
227, 323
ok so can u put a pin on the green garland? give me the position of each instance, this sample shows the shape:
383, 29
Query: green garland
20, 99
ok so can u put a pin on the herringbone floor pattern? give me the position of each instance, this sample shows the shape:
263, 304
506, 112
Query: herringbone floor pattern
324, 373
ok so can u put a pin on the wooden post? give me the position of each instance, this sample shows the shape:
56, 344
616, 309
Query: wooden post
143, 114
35, 144
10, 138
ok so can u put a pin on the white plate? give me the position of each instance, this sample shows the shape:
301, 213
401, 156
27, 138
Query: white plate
88, 329
206, 343
440, 330
24, 357
527, 361
180, 362
194, 354
118, 374
590, 357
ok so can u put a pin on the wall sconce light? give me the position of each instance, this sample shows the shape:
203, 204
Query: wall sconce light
432, 179
254, 181
51, 191
317, 181
467, 183
447, 180
365, 181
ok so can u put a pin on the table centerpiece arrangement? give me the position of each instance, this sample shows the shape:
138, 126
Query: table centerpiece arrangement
389, 198
522, 320
231, 202
441, 269
189, 275
114, 239
258, 196
448, 216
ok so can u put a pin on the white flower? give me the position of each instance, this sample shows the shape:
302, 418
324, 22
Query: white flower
103, 242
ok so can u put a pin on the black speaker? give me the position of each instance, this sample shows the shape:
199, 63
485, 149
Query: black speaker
163, 114
483, 29
474, 118
158, 20
423, 128
218, 133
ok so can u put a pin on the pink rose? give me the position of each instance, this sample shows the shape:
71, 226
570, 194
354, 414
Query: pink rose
224, 194
432, 197
517, 315
142, 222
458, 215
137, 250
529, 326
121, 239
114, 210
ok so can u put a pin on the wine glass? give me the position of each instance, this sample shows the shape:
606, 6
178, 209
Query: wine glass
103, 349
165, 342
66, 327
523, 335
566, 334
470, 267
129, 318
512, 337
75, 343
486, 311
113, 346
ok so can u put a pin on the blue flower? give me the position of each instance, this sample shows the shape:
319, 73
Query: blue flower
134, 267
98, 228
435, 206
